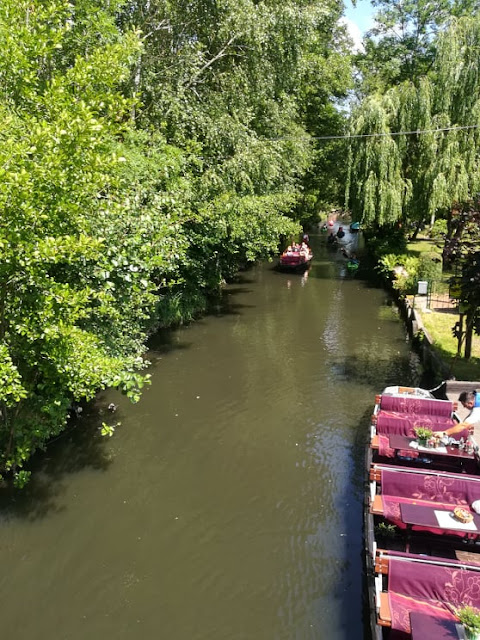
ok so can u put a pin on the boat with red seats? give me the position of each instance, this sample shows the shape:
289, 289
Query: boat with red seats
296, 257
421, 517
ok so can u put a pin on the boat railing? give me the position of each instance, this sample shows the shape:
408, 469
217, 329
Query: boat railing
377, 468
383, 557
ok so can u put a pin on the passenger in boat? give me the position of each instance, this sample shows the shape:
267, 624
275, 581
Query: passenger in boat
305, 239
353, 258
340, 232
458, 428
471, 400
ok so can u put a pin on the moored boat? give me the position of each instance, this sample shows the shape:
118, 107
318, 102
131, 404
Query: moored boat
421, 517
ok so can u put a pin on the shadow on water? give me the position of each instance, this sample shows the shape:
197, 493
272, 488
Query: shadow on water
167, 340
367, 370
355, 520
80, 447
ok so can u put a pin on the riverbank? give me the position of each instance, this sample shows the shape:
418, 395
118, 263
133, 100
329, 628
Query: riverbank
424, 327
431, 315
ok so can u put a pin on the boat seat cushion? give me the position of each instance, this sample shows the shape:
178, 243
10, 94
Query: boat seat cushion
414, 405
438, 593
393, 422
447, 488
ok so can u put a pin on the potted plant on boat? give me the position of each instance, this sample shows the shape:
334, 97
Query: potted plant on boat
470, 618
423, 434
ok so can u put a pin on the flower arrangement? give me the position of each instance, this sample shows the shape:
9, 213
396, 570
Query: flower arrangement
470, 618
423, 433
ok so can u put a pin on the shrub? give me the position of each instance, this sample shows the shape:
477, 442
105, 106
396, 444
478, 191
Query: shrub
430, 266
439, 230
402, 270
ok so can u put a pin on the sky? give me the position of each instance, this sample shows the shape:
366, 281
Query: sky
359, 19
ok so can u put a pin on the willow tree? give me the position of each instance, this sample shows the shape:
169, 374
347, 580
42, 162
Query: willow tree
408, 177
376, 186
401, 46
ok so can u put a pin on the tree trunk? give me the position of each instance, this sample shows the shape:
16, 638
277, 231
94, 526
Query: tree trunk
460, 335
469, 333
417, 229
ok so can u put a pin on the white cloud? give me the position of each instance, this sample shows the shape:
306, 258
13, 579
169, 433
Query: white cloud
355, 34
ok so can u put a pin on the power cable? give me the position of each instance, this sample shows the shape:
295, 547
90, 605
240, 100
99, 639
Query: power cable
377, 135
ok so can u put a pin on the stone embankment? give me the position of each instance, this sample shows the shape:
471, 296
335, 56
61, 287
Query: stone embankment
429, 358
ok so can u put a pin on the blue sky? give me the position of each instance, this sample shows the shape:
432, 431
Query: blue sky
358, 19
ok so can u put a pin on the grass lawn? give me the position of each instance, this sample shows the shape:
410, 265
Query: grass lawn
439, 327
423, 245
439, 323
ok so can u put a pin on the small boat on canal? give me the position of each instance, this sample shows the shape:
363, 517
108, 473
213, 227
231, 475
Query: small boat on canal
295, 258
355, 227
421, 518
352, 266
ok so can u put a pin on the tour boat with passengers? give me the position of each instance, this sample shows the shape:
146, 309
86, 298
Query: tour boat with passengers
296, 257
421, 518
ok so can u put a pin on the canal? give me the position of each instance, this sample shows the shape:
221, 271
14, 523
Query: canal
228, 504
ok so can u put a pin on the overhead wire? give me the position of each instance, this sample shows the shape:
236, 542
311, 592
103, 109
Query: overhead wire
376, 135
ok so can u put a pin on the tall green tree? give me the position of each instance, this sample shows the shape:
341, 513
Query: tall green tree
399, 178
78, 261
402, 44
241, 86
147, 151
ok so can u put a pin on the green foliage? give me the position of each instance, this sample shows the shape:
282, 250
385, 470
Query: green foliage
67, 269
430, 267
405, 178
439, 229
386, 530
243, 88
402, 44
21, 478
423, 433
470, 617
402, 270
108, 430
147, 152
386, 240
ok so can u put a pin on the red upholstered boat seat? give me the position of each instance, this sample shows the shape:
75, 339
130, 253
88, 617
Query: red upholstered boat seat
421, 406
438, 593
388, 422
